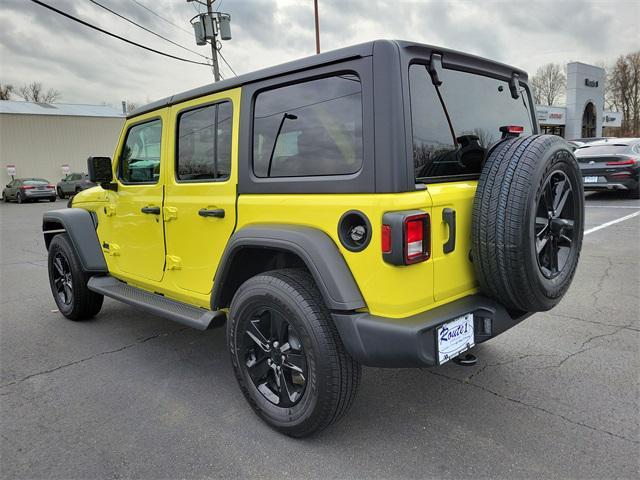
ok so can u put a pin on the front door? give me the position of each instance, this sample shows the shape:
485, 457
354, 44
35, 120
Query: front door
200, 202
134, 230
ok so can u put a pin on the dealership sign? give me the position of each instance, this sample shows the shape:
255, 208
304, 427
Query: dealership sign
612, 119
550, 115
11, 169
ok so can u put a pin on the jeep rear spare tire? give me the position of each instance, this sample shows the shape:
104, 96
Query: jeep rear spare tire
527, 222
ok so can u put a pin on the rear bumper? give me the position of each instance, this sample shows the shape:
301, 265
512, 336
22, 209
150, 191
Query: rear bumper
411, 342
626, 185
39, 193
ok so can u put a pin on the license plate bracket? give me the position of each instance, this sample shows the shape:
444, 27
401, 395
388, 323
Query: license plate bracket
455, 337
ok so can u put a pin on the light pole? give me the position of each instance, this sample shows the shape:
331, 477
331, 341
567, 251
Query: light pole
315, 9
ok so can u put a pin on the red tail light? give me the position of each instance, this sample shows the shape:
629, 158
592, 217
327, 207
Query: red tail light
26, 187
627, 161
514, 129
405, 237
416, 235
51, 186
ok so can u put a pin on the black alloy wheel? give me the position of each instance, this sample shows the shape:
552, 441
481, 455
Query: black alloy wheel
274, 358
287, 355
68, 281
62, 279
19, 198
555, 217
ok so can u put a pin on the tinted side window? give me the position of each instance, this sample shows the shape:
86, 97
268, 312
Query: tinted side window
477, 106
433, 146
309, 129
140, 156
204, 143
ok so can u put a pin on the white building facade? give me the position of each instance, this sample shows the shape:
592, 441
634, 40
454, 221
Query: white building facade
49, 140
584, 115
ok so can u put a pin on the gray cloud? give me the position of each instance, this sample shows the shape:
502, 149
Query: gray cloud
89, 67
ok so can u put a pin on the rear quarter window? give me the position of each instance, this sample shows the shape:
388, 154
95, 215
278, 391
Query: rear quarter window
312, 128
477, 107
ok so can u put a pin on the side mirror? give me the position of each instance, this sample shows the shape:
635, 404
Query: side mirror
100, 170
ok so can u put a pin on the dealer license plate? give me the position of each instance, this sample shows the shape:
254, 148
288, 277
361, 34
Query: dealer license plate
455, 337
590, 179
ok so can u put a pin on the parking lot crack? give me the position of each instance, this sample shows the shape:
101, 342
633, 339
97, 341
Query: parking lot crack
535, 407
86, 359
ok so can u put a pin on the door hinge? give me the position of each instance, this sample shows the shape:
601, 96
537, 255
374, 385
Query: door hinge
173, 262
111, 248
169, 213
110, 210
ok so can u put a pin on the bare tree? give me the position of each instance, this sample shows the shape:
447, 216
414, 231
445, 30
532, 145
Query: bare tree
34, 92
548, 84
624, 91
5, 91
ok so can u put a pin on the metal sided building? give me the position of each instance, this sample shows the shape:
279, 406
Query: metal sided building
48, 140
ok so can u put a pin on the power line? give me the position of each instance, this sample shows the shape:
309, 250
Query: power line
160, 16
225, 61
86, 24
146, 29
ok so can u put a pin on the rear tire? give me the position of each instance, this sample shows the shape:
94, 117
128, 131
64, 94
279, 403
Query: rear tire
282, 312
527, 222
52, 199
69, 282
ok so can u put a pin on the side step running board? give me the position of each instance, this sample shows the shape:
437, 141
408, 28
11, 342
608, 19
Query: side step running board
164, 307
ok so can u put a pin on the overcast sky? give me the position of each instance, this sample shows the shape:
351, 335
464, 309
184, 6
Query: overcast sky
89, 67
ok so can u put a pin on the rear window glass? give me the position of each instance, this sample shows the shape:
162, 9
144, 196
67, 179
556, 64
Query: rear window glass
309, 129
204, 143
477, 106
602, 149
36, 181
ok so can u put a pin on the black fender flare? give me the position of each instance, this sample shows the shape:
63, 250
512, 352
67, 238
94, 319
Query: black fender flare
314, 247
80, 226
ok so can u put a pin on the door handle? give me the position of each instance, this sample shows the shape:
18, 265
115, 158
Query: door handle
216, 212
449, 217
151, 210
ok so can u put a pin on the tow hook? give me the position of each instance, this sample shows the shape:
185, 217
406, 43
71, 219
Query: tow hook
467, 360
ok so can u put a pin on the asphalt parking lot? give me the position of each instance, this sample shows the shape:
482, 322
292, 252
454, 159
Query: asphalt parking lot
129, 395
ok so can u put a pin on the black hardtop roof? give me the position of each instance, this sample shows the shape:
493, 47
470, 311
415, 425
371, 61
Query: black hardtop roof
327, 58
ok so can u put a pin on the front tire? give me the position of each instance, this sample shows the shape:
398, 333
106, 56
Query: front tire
61, 194
287, 355
69, 282
19, 198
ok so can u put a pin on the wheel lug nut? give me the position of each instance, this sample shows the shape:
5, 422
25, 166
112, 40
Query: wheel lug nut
276, 344
283, 358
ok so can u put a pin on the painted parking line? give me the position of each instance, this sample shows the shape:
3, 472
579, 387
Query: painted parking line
612, 222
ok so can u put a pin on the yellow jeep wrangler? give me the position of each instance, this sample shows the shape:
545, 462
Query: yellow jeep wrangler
389, 204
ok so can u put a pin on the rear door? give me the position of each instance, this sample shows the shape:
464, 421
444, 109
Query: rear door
200, 202
454, 125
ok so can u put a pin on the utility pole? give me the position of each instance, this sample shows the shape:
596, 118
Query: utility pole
315, 8
207, 27
214, 50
